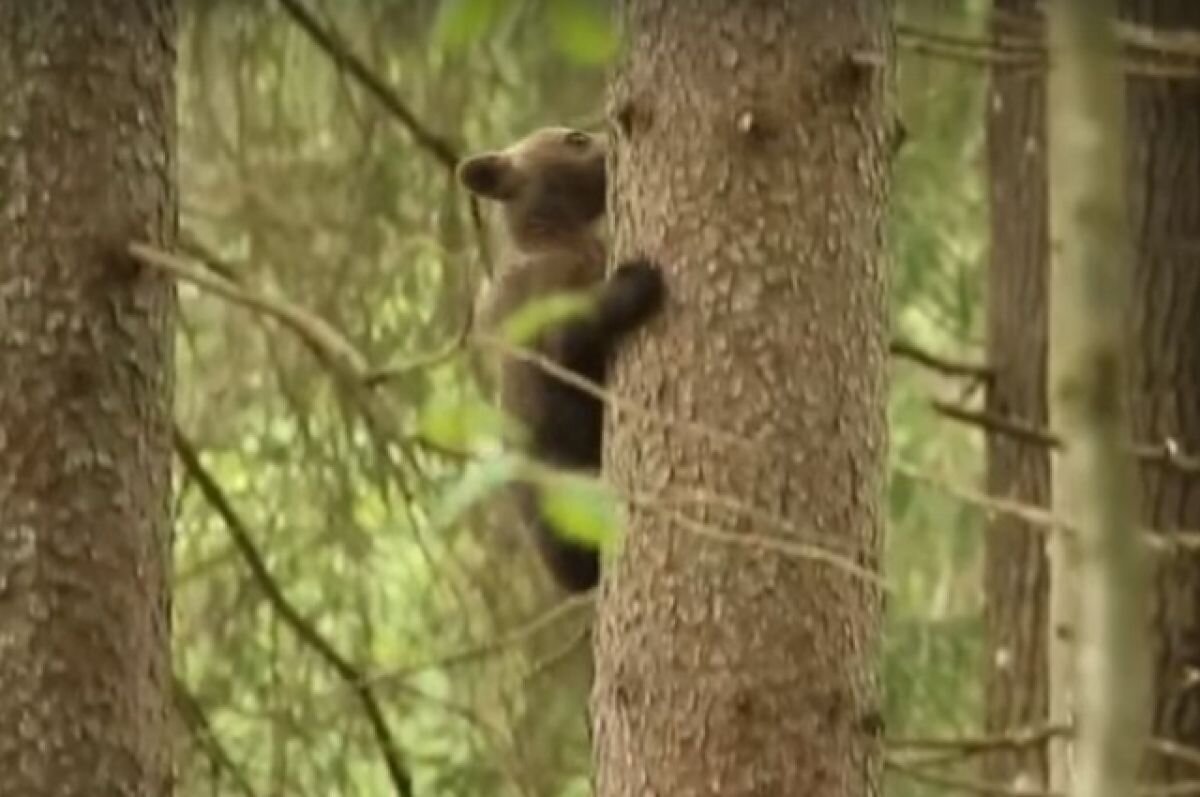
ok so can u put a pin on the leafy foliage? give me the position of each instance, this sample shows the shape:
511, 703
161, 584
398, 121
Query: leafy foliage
582, 509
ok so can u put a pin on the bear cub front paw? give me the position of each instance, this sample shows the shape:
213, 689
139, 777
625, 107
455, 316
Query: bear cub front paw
641, 286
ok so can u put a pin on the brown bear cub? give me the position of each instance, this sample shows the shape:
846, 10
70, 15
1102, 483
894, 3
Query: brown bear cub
553, 188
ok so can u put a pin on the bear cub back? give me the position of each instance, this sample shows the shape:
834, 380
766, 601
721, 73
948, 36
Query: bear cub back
552, 187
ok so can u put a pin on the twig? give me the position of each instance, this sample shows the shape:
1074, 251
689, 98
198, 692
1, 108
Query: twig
435, 144
521, 633
330, 344
905, 350
1165, 455
1021, 737
1037, 516
379, 376
984, 56
1017, 50
1185, 788
397, 770
1031, 44
547, 663
1169, 748
337, 49
193, 716
1042, 519
998, 424
599, 392
971, 785
1180, 43
997, 789
795, 549
1025, 737
318, 334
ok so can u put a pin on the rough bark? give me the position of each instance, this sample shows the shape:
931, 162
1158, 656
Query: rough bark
1093, 476
1016, 574
1163, 160
87, 160
751, 162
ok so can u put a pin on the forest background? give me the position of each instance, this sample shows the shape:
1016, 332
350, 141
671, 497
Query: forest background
356, 594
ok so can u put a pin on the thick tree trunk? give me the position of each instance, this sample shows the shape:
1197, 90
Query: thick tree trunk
751, 162
1164, 191
1016, 573
1103, 617
87, 158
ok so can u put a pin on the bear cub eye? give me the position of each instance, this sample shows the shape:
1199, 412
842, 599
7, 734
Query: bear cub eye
577, 139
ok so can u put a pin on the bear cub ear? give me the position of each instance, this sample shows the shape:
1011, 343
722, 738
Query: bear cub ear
490, 175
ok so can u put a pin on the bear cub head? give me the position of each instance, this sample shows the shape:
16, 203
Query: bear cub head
551, 184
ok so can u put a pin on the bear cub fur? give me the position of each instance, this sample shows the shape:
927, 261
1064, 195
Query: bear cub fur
552, 187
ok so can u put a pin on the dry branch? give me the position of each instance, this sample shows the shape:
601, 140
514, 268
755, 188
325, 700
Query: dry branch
239, 532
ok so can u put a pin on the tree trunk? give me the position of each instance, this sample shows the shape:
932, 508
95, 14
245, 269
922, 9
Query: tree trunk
751, 162
1093, 474
87, 163
1016, 574
1164, 191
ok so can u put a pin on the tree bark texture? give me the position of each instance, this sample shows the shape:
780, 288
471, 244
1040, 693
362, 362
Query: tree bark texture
1016, 573
1093, 474
751, 162
87, 164
1163, 160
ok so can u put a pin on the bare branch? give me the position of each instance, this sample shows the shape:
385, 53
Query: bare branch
522, 633
379, 376
193, 716
1041, 518
789, 547
970, 785
906, 350
1165, 454
338, 50
1021, 737
330, 344
435, 144
1149, 52
238, 531
998, 424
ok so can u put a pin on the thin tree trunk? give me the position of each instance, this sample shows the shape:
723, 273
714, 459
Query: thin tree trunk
1016, 572
1093, 475
751, 162
87, 158
1163, 149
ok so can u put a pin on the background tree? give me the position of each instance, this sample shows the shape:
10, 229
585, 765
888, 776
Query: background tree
1097, 610
1163, 172
727, 662
1016, 573
87, 164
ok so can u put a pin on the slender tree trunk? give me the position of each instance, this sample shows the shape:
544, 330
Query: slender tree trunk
1163, 148
751, 162
87, 158
1093, 475
1016, 572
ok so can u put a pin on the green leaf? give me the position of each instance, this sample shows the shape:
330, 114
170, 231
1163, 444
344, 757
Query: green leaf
582, 30
463, 22
524, 325
477, 481
581, 508
465, 425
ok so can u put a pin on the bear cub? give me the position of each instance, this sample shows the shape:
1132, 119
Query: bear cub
552, 187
